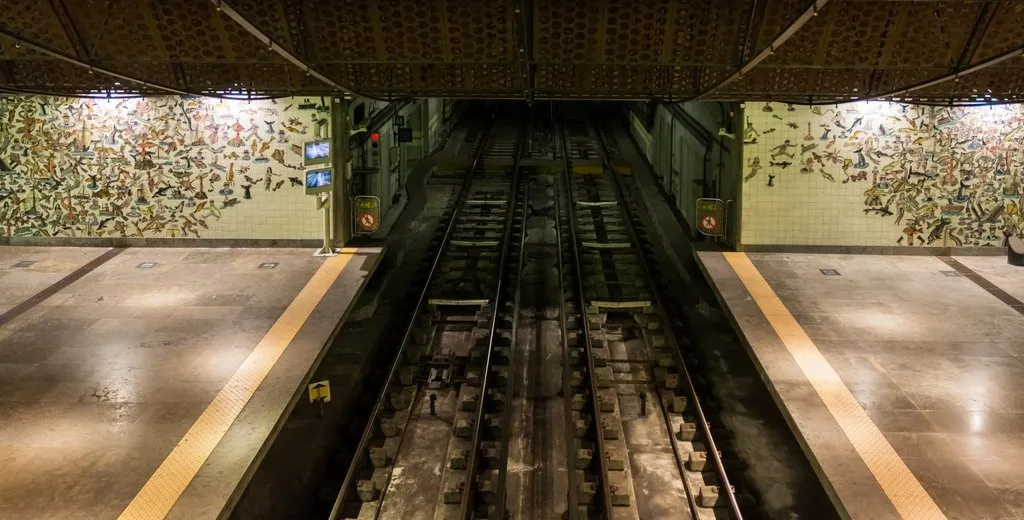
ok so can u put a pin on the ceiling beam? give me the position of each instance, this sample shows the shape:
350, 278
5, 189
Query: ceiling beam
892, 35
524, 47
809, 13
38, 47
265, 39
956, 75
978, 32
757, 12
67, 24
294, 14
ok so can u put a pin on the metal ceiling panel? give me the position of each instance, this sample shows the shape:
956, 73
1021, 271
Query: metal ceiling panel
109, 28
595, 48
54, 75
35, 20
843, 34
933, 34
1004, 33
778, 16
708, 32
271, 16
889, 80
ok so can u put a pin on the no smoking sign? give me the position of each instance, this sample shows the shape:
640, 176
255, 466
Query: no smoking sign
367, 213
709, 224
710, 213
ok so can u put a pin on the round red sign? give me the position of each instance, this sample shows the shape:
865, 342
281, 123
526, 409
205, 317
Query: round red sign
708, 223
367, 220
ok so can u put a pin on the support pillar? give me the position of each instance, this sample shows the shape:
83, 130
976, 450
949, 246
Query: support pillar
342, 163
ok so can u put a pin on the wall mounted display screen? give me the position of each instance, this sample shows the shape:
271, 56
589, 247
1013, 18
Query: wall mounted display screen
317, 152
318, 181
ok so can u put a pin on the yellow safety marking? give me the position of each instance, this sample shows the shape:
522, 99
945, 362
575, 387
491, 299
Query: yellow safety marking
169, 480
895, 478
587, 169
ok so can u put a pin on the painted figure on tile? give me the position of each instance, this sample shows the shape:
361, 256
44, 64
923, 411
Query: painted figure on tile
945, 175
134, 167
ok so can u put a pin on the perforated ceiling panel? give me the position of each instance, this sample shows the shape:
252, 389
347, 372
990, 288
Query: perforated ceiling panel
110, 27
1004, 32
664, 49
272, 19
933, 33
717, 26
36, 20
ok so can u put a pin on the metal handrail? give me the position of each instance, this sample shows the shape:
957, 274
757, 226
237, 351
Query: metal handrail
346, 486
578, 274
474, 460
724, 488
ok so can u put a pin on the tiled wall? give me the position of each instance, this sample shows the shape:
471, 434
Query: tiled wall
885, 174
156, 167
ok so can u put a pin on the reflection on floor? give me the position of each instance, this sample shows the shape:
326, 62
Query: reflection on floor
100, 381
934, 360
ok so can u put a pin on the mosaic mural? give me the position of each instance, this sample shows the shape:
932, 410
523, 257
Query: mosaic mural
949, 176
146, 167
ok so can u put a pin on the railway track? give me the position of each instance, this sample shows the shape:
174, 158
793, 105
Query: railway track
539, 377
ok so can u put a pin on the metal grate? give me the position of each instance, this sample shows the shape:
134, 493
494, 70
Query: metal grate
830, 272
146, 265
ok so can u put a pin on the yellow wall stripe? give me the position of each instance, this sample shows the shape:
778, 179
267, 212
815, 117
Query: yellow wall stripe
895, 478
167, 483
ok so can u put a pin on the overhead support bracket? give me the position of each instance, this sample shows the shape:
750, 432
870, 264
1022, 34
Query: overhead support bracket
38, 47
811, 12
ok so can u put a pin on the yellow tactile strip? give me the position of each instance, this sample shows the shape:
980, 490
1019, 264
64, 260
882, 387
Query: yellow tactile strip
169, 480
905, 492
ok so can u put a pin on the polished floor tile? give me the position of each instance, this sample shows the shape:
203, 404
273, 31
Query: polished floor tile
937, 362
101, 380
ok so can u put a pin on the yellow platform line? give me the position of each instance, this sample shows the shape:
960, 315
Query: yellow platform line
169, 480
895, 478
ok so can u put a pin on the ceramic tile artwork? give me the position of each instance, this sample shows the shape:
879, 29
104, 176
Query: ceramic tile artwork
174, 167
875, 173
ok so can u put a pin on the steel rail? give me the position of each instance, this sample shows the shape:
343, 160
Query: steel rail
573, 499
725, 488
466, 506
587, 344
354, 466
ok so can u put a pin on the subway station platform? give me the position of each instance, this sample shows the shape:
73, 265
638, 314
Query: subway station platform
148, 382
902, 376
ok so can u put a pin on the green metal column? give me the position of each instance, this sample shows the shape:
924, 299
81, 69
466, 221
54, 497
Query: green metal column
340, 125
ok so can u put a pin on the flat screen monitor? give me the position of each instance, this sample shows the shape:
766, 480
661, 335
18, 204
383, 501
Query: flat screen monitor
317, 152
318, 181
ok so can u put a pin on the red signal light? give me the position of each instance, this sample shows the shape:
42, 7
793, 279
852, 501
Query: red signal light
375, 136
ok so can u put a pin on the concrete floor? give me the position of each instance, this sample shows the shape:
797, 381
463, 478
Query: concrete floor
99, 381
935, 361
